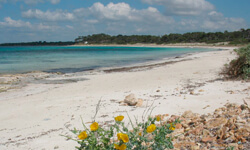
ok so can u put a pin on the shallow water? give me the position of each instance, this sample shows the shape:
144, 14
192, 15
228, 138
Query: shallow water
76, 59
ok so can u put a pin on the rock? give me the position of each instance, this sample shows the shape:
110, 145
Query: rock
188, 114
243, 132
139, 103
192, 92
123, 104
230, 139
243, 106
183, 144
235, 145
205, 133
206, 106
196, 147
208, 139
131, 100
197, 131
213, 123
178, 126
201, 90
177, 132
221, 133
157, 90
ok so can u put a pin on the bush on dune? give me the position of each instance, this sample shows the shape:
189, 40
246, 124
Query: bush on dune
239, 68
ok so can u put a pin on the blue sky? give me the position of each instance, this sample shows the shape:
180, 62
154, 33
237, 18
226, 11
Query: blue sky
64, 20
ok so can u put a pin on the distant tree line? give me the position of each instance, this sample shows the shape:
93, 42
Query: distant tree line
39, 43
236, 37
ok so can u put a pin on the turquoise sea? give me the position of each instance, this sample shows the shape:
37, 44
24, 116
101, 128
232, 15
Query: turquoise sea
76, 59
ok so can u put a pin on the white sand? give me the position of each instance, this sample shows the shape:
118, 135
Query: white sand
34, 117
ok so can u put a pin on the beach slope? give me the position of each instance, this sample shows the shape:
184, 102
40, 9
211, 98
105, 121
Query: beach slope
32, 118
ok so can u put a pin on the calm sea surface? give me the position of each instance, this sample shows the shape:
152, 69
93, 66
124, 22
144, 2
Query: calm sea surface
76, 59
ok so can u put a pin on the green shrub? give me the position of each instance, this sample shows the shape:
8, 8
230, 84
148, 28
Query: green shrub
239, 68
151, 134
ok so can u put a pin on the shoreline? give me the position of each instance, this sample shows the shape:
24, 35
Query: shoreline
146, 63
20, 80
176, 45
128, 65
39, 113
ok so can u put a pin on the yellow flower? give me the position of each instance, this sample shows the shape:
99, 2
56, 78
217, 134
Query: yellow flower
171, 127
151, 128
158, 118
94, 126
123, 137
83, 135
140, 133
119, 118
122, 147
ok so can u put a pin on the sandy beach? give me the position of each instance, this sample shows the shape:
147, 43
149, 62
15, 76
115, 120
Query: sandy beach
35, 115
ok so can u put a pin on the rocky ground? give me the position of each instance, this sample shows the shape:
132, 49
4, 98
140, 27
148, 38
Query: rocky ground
226, 128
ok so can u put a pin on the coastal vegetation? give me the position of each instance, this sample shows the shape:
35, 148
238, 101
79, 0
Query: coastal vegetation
239, 68
240, 37
152, 134
237, 37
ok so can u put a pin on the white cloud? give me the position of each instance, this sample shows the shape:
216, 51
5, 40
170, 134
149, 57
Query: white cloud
217, 21
121, 18
112, 11
121, 12
57, 15
183, 7
8, 22
11, 23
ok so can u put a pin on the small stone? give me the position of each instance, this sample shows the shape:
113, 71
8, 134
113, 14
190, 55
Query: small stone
205, 133
196, 147
123, 104
131, 100
221, 133
235, 145
178, 126
212, 123
208, 139
56, 147
183, 144
192, 92
243, 107
201, 90
230, 139
188, 114
197, 130
139, 103
157, 90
